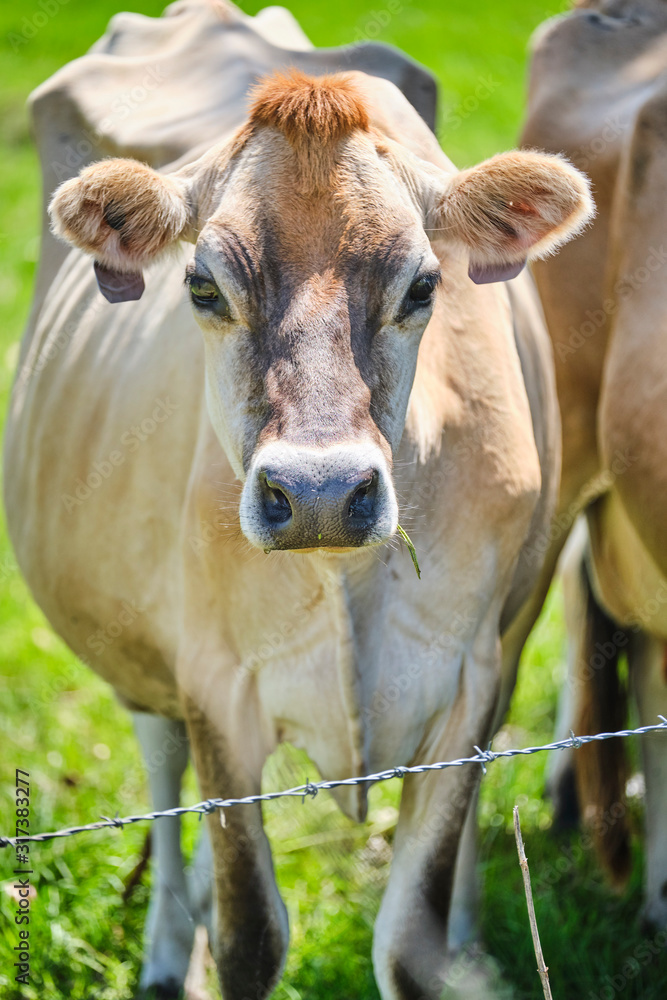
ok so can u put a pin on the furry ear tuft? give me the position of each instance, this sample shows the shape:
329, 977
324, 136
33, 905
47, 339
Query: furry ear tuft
515, 206
121, 212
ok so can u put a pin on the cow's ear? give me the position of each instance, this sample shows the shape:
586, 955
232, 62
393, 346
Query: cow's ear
514, 207
124, 214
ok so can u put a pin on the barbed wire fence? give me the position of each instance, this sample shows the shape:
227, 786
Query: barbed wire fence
310, 789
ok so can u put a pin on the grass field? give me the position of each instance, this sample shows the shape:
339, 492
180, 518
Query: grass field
62, 725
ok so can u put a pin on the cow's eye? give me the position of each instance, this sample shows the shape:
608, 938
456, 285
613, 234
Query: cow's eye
205, 295
422, 289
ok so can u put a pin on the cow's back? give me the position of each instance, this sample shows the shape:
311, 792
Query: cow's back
598, 92
591, 75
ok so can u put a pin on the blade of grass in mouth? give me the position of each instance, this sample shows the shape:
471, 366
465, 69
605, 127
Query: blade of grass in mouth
413, 555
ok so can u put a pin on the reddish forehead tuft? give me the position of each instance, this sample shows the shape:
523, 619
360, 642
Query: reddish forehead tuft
324, 108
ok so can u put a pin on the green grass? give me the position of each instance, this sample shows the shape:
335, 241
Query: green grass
62, 724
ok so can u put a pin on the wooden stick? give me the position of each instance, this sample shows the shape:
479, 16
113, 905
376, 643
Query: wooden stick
523, 861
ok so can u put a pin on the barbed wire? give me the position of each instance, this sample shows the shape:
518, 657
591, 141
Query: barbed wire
310, 788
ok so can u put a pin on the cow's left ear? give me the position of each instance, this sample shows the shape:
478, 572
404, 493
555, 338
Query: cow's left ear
124, 214
511, 208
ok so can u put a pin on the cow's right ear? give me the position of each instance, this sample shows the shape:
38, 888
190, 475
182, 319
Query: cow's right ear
124, 214
512, 208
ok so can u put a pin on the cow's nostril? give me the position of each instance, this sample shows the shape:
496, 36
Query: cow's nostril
277, 507
362, 500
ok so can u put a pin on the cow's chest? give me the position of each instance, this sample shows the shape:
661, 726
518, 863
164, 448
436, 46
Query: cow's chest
352, 663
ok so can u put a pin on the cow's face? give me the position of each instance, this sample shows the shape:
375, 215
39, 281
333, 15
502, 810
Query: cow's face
313, 279
312, 301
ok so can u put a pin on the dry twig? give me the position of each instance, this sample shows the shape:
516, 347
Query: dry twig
523, 861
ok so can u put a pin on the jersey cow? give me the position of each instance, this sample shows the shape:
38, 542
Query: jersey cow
598, 92
298, 333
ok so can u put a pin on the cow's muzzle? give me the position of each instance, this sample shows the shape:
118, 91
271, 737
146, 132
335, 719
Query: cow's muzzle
331, 498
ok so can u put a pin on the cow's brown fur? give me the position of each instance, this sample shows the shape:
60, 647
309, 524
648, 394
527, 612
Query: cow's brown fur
323, 108
314, 114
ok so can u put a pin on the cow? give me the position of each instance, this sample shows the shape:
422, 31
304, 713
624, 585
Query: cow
254, 358
597, 94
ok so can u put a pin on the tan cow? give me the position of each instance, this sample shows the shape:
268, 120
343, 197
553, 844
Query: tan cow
598, 92
200, 468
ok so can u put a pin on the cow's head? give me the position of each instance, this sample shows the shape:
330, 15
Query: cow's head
313, 280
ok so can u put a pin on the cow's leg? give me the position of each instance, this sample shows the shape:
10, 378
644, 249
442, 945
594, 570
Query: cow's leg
169, 925
463, 918
561, 781
200, 883
410, 948
251, 935
648, 673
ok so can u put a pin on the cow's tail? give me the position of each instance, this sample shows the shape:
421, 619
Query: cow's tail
601, 766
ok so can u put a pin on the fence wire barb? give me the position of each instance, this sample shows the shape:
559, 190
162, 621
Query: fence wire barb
311, 788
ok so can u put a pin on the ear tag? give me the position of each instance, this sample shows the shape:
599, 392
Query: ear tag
484, 274
119, 286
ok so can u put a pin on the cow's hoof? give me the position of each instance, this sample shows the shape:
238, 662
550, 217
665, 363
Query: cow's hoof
468, 974
563, 794
653, 918
475, 975
169, 990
